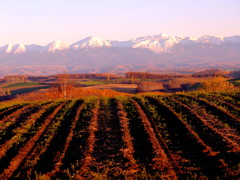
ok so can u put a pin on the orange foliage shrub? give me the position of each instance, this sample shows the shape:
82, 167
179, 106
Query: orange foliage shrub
216, 84
147, 86
71, 92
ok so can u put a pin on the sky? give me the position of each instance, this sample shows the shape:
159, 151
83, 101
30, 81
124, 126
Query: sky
43, 21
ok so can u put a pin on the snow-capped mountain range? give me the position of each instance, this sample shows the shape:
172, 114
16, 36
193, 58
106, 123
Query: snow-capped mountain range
157, 43
93, 54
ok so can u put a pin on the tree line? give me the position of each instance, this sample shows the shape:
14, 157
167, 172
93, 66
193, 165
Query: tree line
88, 76
206, 73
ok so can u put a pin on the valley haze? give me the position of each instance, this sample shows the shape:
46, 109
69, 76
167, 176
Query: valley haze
157, 53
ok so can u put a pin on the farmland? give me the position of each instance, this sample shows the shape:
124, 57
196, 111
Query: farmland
125, 88
24, 87
172, 136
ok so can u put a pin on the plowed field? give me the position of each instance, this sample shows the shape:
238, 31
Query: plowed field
179, 136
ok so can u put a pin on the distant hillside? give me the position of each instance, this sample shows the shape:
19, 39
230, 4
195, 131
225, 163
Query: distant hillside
211, 72
235, 74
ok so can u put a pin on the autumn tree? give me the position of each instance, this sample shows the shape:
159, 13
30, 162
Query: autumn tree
216, 84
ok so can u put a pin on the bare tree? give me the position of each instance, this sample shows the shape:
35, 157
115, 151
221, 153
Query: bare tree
63, 82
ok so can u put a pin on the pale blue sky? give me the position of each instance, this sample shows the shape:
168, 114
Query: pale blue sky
42, 21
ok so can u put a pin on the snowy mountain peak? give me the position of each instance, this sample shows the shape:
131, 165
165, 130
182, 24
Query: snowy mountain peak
9, 48
57, 45
19, 49
164, 35
210, 39
159, 37
149, 44
13, 48
91, 42
157, 43
93, 38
